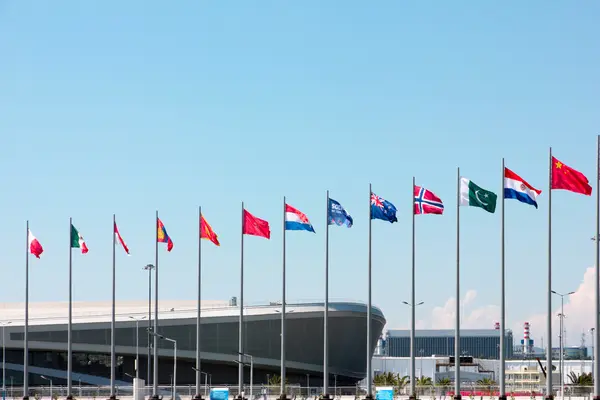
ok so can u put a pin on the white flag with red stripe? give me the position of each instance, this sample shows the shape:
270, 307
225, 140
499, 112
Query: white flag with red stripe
120, 239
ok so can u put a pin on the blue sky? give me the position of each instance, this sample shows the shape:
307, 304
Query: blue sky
129, 107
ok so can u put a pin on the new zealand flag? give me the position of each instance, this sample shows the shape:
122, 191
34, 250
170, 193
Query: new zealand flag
382, 209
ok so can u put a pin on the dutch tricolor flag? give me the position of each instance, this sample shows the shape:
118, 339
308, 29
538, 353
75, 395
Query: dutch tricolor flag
295, 220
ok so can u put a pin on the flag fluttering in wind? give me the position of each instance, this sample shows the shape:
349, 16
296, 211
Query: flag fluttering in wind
255, 226
296, 220
426, 202
475, 196
35, 247
382, 209
120, 239
337, 214
206, 231
162, 236
567, 178
77, 241
517, 188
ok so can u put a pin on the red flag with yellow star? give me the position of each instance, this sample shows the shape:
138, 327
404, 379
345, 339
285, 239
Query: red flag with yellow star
567, 178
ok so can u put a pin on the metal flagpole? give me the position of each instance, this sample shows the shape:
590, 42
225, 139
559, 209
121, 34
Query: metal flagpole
26, 331
596, 349
503, 296
326, 309
241, 320
112, 321
283, 393
70, 327
549, 393
413, 394
369, 369
155, 336
457, 395
198, 366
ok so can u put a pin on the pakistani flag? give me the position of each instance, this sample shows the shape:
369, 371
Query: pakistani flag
474, 196
77, 241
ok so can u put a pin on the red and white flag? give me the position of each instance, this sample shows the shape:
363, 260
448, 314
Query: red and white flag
35, 247
120, 239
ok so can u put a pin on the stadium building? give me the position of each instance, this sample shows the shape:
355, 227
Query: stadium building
479, 343
177, 320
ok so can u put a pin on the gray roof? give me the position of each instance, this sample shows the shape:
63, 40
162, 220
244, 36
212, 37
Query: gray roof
444, 333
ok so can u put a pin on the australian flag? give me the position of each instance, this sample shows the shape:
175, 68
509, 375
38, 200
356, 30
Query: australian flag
337, 214
382, 209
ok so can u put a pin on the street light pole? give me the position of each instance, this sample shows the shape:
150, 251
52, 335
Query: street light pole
137, 345
50, 380
251, 371
592, 334
560, 336
149, 268
4, 324
413, 394
154, 334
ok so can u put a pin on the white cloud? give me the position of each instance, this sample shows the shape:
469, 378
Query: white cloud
579, 312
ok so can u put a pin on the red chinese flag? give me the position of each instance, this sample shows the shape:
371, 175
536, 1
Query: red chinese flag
255, 226
567, 178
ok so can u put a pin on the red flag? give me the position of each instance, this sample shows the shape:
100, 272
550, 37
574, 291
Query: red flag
426, 202
567, 178
255, 226
35, 247
120, 239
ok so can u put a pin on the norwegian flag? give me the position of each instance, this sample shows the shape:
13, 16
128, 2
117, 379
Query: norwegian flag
426, 202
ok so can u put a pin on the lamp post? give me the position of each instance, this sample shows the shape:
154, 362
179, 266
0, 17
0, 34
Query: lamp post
413, 390
560, 336
174, 357
251, 371
4, 324
137, 345
49, 380
592, 334
206, 375
149, 268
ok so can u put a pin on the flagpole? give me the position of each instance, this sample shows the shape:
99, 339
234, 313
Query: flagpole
26, 331
112, 321
198, 366
502, 296
155, 337
413, 394
70, 327
326, 309
596, 348
369, 371
457, 395
549, 393
241, 320
283, 393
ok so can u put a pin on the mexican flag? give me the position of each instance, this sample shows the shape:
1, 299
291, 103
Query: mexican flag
475, 196
77, 241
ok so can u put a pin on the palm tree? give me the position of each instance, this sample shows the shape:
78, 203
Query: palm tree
487, 382
424, 381
275, 380
582, 379
443, 382
402, 381
385, 379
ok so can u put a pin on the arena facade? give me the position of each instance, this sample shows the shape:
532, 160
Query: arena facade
177, 320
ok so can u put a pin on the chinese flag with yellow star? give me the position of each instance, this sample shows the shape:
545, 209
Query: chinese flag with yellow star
567, 178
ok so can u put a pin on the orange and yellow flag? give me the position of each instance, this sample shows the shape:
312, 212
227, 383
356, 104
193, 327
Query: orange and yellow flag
206, 231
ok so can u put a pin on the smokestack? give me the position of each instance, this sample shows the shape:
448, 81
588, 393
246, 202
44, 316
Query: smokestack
526, 346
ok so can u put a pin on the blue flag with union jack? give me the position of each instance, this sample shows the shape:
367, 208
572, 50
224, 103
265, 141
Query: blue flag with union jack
382, 209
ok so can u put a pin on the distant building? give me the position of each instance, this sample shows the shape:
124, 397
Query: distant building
480, 343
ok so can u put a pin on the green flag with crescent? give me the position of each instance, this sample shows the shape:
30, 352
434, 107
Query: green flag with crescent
475, 196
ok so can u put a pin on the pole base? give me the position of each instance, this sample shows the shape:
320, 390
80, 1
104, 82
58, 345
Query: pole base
70, 397
369, 397
112, 397
325, 396
502, 397
198, 397
283, 396
25, 397
154, 397
412, 397
596, 397
240, 397
457, 396
549, 397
